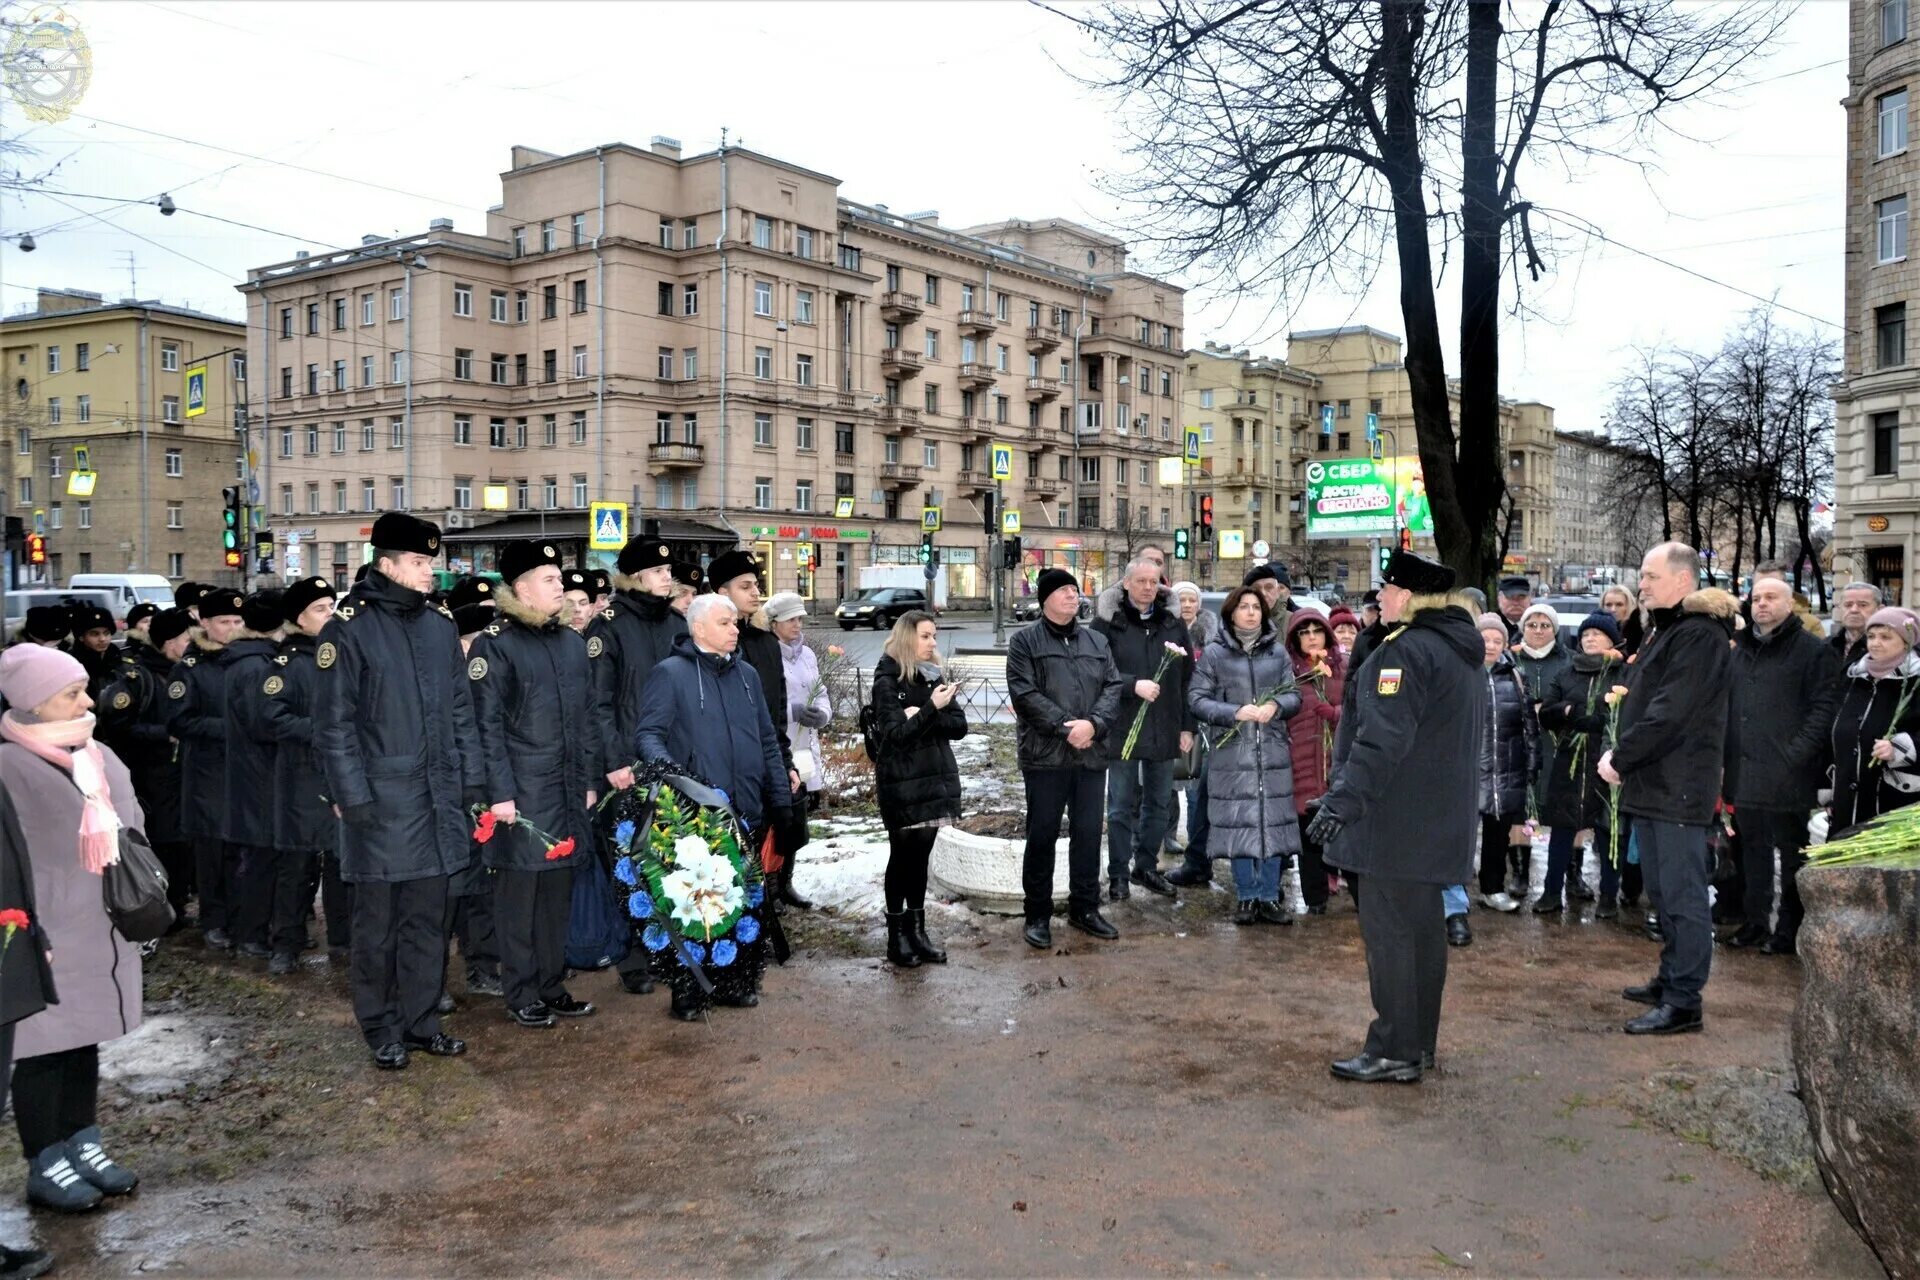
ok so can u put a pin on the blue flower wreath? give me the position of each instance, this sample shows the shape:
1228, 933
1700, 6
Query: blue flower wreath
624, 872
623, 836
723, 953
639, 904
654, 938
748, 929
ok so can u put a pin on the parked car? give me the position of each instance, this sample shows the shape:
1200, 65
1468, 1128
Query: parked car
878, 607
18, 602
129, 589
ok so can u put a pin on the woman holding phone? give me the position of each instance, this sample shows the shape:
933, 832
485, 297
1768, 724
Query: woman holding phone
915, 722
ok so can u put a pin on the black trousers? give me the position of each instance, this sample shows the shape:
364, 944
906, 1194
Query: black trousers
54, 1095
1674, 856
1496, 852
906, 878
1078, 794
176, 859
1404, 927
336, 901
530, 911
1313, 866
216, 868
271, 894
399, 957
472, 924
1762, 832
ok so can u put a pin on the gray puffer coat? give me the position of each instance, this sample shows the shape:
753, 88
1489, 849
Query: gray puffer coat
1510, 745
1250, 810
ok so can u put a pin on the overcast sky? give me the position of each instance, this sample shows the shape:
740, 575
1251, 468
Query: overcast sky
395, 113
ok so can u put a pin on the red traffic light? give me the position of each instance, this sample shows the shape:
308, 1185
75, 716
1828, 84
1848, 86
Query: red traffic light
233, 559
36, 549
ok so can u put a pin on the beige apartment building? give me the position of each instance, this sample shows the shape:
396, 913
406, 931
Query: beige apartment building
1603, 521
726, 344
1876, 533
112, 377
1261, 425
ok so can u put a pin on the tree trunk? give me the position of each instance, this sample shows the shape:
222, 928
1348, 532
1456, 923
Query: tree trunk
1482, 481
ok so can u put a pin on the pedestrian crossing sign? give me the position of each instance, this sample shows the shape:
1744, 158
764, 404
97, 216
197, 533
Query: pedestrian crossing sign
1002, 459
1191, 451
930, 519
196, 390
607, 528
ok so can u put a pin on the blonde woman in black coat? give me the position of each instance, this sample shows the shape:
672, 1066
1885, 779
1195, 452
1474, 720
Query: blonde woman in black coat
915, 722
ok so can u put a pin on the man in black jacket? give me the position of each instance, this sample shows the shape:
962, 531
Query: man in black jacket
151, 754
624, 642
1275, 587
269, 920
197, 720
1785, 688
1066, 696
1668, 762
1142, 630
395, 734
1403, 806
1852, 606
470, 892
304, 827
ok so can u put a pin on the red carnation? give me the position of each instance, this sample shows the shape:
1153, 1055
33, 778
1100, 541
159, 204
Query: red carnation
483, 828
13, 918
560, 850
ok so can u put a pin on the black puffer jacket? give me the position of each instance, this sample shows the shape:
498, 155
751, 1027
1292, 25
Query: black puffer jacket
302, 817
915, 773
197, 718
1510, 747
624, 642
540, 732
146, 744
1784, 690
1057, 674
1574, 709
1137, 645
1864, 789
1250, 811
1673, 721
394, 731
253, 759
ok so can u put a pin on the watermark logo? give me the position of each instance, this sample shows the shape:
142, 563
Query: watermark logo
48, 63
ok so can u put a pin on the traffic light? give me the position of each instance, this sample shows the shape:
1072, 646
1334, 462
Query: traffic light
230, 515
926, 548
36, 549
1406, 538
1385, 554
1180, 549
1206, 517
1010, 552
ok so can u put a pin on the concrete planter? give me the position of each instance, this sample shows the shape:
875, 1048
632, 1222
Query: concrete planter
1856, 1050
985, 871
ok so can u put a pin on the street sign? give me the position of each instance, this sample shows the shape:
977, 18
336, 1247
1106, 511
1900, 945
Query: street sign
1326, 419
930, 519
607, 530
1192, 449
1009, 522
1260, 549
1361, 498
1170, 471
493, 497
1003, 462
197, 390
80, 483
1373, 428
1233, 544
843, 508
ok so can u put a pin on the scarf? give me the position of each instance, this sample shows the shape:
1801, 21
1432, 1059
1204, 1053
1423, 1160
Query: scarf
69, 745
1248, 639
1881, 670
1537, 654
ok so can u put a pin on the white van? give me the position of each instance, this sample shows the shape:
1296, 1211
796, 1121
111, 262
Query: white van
128, 589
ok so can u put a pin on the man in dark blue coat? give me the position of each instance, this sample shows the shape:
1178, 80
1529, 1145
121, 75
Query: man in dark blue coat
269, 920
395, 734
151, 754
304, 828
197, 720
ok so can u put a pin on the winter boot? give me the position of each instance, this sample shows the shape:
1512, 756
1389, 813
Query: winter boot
53, 1182
1272, 911
918, 940
900, 952
1246, 911
785, 892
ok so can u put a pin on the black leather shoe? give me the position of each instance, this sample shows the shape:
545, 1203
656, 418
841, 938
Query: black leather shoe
1647, 993
900, 952
444, 1005
1748, 936
1153, 882
1665, 1020
1039, 934
439, 1045
484, 984
1316, 908
1652, 928
1579, 890
1779, 946
1246, 911
684, 1008
1368, 1069
255, 950
786, 894
1092, 922
219, 940
1607, 911
1117, 890
918, 940
1186, 876
565, 1006
748, 1000
1548, 906
282, 963
637, 983
391, 1057
1459, 932
533, 1015
1271, 913
19, 1264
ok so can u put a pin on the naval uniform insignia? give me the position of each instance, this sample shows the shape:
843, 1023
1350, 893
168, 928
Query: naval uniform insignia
1389, 683
477, 669
274, 685
178, 689
325, 656
122, 700
595, 647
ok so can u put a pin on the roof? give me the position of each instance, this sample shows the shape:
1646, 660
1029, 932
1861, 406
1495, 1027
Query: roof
573, 524
149, 306
1342, 332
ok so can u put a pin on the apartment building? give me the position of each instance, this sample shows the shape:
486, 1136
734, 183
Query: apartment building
111, 377
725, 343
1603, 521
1876, 532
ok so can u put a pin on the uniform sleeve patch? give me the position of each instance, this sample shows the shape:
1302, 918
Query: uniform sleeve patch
1389, 683
274, 685
122, 700
477, 669
327, 653
178, 689
596, 646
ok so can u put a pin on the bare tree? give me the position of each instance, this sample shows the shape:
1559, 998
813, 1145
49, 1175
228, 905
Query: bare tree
1284, 145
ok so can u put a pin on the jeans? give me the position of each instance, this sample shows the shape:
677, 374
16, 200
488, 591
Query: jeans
1453, 899
1051, 794
1139, 804
1257, 879
1197, 826
1766, 830
1673, 857
1565, 862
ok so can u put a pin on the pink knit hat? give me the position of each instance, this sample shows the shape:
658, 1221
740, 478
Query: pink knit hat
1901, 622
32, 673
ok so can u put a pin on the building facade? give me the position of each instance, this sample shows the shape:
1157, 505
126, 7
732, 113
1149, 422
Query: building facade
112, 378
721, 341
1603, 522
1877, 400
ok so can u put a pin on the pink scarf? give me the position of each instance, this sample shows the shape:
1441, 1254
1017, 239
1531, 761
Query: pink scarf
69, 744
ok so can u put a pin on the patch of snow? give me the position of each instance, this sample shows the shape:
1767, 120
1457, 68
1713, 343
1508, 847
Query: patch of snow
166, 1053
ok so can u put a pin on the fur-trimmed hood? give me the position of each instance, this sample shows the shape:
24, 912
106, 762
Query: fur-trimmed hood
204, 642
511, 606
1714, 602
1449, 615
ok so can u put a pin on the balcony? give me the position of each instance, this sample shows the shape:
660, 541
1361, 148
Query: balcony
672, 456
981, 429
1041, 435
1043, 388
1042, 338
976, 375
899, 475
898, 362
978, 322
1041, 487
975, 482
897, 418
897, 306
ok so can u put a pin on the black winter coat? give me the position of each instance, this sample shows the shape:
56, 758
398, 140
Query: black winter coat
26, 980
303, 819
197, 717
706, 712
1866, 715
253, 760
1250, 811
1137, 646
624, 641
1054, 676
761, 649
1847, 651
1784, 690
146, 743
1574, 709
1407, 758
393, 727
540, 733
1510, 746
915, 774
1673, 721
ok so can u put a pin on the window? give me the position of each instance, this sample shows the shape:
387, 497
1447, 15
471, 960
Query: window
933, 288
497, 369
762, 298
313, 498
763, 429
1206, 398
843, 484
313, 317
579, 424
26, 491
1893, 21
966, 297
803, 242
286, 442
396, 432
1890, 335
520, 494
803, 495
339, 313
1088, 510
497, 306
519, 242
313, 379
689, 233
930, 453
55, 466
666, 233
1000, 409
462, 363
1346, 409
933, 344
83, 408
462, 429
339, 495
933, 397
579, 491
663, 301
520, 369
176, 516
763, 492
1886, 444
803, 434
55, 517
53, 411
366, 308
843, 437
176, 564
690, 300
463, 300
86, 515
313, 439
366, 371
549, 365
286, 322
1001, 358
549, 431
1166, 382
520, 306
663, 363
690, 428
463, 492
286, 499
762, 232
339, 375
892, 452
397, 490
690, 363
849, 258
550, 491
547, 240
1893, 122
803, 306
1373, 406
1146, 473
1000, 305
175, 463
339, 437
369, 498
1206, 433
83, 356
579, 221
803, 370
662, 428
550, 302
579, 296
1890, 220
366, 435
579, 362
763, 362
396, 304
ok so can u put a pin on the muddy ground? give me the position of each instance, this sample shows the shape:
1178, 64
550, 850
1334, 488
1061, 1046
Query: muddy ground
1152, 1106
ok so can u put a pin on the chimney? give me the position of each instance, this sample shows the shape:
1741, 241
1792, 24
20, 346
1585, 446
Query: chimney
56, 300
300, 255
367, 240
662, 145
440, 224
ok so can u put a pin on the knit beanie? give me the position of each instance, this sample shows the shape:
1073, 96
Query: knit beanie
1902, 622
32, 673
1602, 622
1051, 580
1545, 611
1491, 622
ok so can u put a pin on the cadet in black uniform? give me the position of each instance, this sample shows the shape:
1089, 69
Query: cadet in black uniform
304, 828
393, 727
266, 916
139, 705
197, 719
578, 589
470, 893
542, 743
93, 632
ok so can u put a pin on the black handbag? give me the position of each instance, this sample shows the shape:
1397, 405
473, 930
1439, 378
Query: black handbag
135, 891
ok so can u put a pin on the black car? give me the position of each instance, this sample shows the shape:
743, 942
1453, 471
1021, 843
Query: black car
878, 607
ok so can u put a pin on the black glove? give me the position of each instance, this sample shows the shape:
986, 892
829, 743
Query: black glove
1325, 826
361, 815
476, 798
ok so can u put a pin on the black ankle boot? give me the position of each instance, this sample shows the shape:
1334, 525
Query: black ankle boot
917, 937
900, 952
786, 893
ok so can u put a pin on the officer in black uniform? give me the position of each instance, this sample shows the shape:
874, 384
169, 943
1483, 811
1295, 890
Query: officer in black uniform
46, 624
1403, 806
393, 727
268, 919
600, 587
197, 719
624, 641
578, 589
93, 632
470, 892
138, 701
689, 580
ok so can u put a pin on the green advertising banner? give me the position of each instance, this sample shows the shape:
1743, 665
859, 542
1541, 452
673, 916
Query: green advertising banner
1361, 498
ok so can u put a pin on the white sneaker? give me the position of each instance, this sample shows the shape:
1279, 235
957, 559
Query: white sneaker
1498, 902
